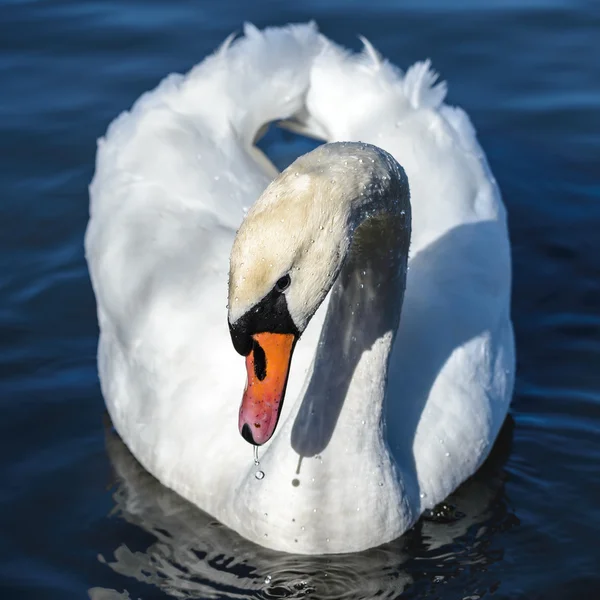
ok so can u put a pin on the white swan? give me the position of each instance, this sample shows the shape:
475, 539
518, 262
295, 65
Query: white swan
344, 470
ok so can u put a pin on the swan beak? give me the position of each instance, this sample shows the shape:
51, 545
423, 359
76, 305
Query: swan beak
268, 366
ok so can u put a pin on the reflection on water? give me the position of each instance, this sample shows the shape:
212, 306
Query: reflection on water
193, 556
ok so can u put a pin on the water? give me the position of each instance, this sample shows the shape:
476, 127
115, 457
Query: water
79, 517
259, 474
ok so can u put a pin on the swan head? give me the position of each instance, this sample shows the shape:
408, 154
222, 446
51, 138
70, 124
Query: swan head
285, 258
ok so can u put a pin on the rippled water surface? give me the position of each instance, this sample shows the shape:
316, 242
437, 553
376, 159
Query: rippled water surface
79, 517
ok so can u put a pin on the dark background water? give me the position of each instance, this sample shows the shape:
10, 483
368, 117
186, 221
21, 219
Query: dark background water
75, 517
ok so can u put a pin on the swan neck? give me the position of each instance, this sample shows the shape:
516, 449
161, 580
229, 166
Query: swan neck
343, 400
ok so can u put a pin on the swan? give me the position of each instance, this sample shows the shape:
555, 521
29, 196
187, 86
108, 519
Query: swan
368, 285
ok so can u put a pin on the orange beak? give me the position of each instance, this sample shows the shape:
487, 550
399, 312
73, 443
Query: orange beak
268, 367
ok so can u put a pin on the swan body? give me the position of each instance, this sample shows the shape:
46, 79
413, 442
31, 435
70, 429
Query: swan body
402, 377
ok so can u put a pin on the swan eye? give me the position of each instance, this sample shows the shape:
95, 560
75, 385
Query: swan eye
283, 283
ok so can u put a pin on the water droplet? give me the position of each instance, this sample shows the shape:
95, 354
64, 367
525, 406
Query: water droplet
362, 285
256, 461
363, 421
217, 178
423, 495
314, 510
358, 509
360, 160
447, 454
259, 475
268, 579
303, 528
326, 539
381, 484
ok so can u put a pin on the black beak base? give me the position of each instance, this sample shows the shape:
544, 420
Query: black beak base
270, 314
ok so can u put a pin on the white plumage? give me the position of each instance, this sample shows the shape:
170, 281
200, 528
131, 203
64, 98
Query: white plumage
174, 177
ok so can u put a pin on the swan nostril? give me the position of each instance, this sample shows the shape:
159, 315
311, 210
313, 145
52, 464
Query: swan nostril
260, 361
247, 434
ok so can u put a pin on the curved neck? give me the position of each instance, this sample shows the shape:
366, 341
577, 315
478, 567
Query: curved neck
342, 402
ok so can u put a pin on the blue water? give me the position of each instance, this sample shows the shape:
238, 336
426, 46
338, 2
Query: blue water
79, 518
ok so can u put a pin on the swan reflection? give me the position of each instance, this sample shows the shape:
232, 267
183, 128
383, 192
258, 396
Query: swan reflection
194, 556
